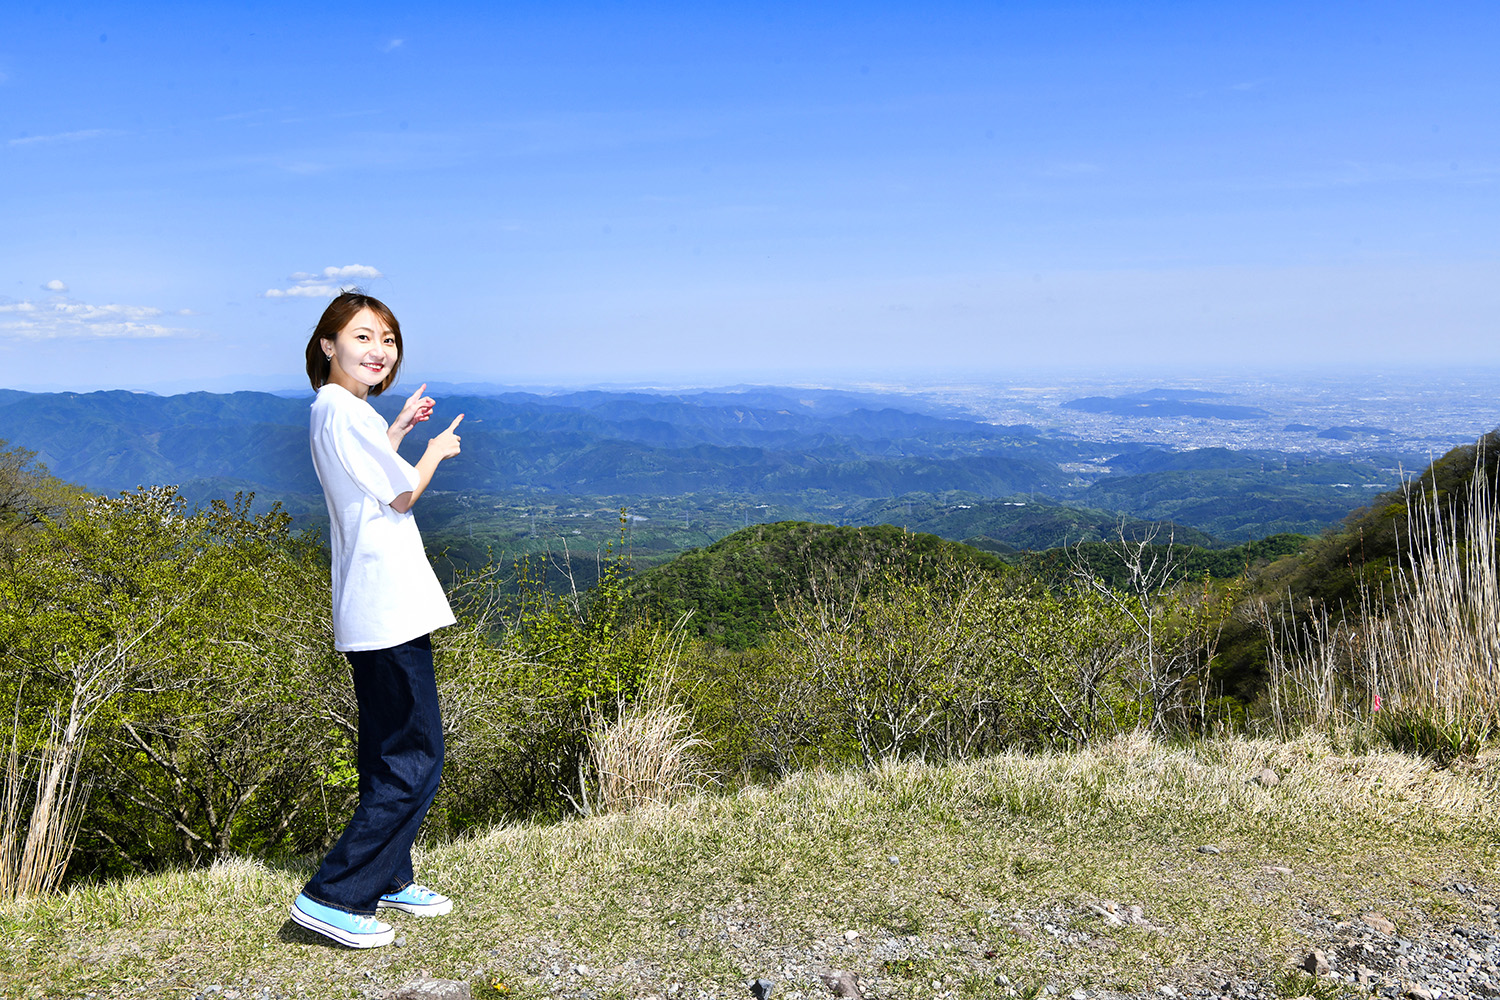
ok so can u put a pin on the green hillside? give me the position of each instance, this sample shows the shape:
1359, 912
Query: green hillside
732, 586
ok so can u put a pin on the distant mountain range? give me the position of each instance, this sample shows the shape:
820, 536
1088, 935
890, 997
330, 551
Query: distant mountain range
762, 440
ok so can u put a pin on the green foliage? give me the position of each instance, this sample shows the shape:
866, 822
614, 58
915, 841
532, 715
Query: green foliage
1106, 561
577, 661
1259, 495
184, 645
1023, 522
892, 658
732, 588
1426, 734
29, 496
187, 641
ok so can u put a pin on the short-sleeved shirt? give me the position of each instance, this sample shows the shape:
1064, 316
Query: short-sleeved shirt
384, 590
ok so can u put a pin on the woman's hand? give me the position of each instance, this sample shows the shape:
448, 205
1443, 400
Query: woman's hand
416, 409
445, 445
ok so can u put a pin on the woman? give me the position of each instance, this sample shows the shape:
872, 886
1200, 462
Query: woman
386, 602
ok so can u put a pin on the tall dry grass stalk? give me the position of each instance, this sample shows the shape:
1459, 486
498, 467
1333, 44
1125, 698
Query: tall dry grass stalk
1321, 673
1440, 647
41, 803
647, 754
645, 757
1432, 655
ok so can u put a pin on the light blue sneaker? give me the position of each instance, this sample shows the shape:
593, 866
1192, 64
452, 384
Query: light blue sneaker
416, 899
351, 929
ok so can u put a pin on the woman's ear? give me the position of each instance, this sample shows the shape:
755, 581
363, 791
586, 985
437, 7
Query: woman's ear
327, 346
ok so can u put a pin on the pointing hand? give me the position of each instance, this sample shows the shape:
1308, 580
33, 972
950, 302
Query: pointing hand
416, 409
446, 443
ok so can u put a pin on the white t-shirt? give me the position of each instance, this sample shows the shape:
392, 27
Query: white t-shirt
384, 590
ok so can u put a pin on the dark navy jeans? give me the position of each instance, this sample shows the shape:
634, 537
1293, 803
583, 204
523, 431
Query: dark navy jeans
400, 762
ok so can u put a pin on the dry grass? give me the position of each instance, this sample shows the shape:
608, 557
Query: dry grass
1439, 653
717, 890
40, 804
1432, 662
646, 757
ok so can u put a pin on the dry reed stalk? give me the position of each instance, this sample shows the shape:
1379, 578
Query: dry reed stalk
1441, 644
35, 862
1433, 656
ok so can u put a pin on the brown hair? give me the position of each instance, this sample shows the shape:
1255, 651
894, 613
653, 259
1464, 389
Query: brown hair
337, 316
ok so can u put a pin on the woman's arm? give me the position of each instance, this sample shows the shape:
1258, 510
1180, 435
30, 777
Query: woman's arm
444, 446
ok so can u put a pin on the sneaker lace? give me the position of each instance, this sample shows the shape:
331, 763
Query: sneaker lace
420, 892
363, 923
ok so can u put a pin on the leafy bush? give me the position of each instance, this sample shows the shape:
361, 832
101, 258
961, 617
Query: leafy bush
179, 647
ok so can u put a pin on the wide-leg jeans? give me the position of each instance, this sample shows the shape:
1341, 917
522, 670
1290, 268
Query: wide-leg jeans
400, 762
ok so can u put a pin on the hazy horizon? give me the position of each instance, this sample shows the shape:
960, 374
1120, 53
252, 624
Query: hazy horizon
1225, 377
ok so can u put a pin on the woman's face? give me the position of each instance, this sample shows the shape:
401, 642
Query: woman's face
362, 354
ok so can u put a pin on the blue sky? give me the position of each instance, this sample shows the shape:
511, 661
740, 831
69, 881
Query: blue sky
678, 193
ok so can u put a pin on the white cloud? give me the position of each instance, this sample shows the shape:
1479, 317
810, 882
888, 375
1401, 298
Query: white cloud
88, 133
303, 291
61, 318
55, 286
351, 271
325, 284
394, 44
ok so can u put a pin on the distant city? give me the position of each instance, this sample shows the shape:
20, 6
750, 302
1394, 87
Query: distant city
1414, 415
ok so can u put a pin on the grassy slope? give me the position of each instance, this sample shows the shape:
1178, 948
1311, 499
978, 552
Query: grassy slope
719, 890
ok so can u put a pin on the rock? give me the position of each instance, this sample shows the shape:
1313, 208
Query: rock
851, 936
1379, 922
1363, 976
1316, 963
841, 983
432, 989
1417, 992
1109, 910
1267, 778
1209, 849
1275, 870
761, 988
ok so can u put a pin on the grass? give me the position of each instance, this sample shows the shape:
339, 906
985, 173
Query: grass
1421, 667
951, 876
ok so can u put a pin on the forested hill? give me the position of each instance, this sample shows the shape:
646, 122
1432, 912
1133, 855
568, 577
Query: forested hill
839, 448
731, 588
